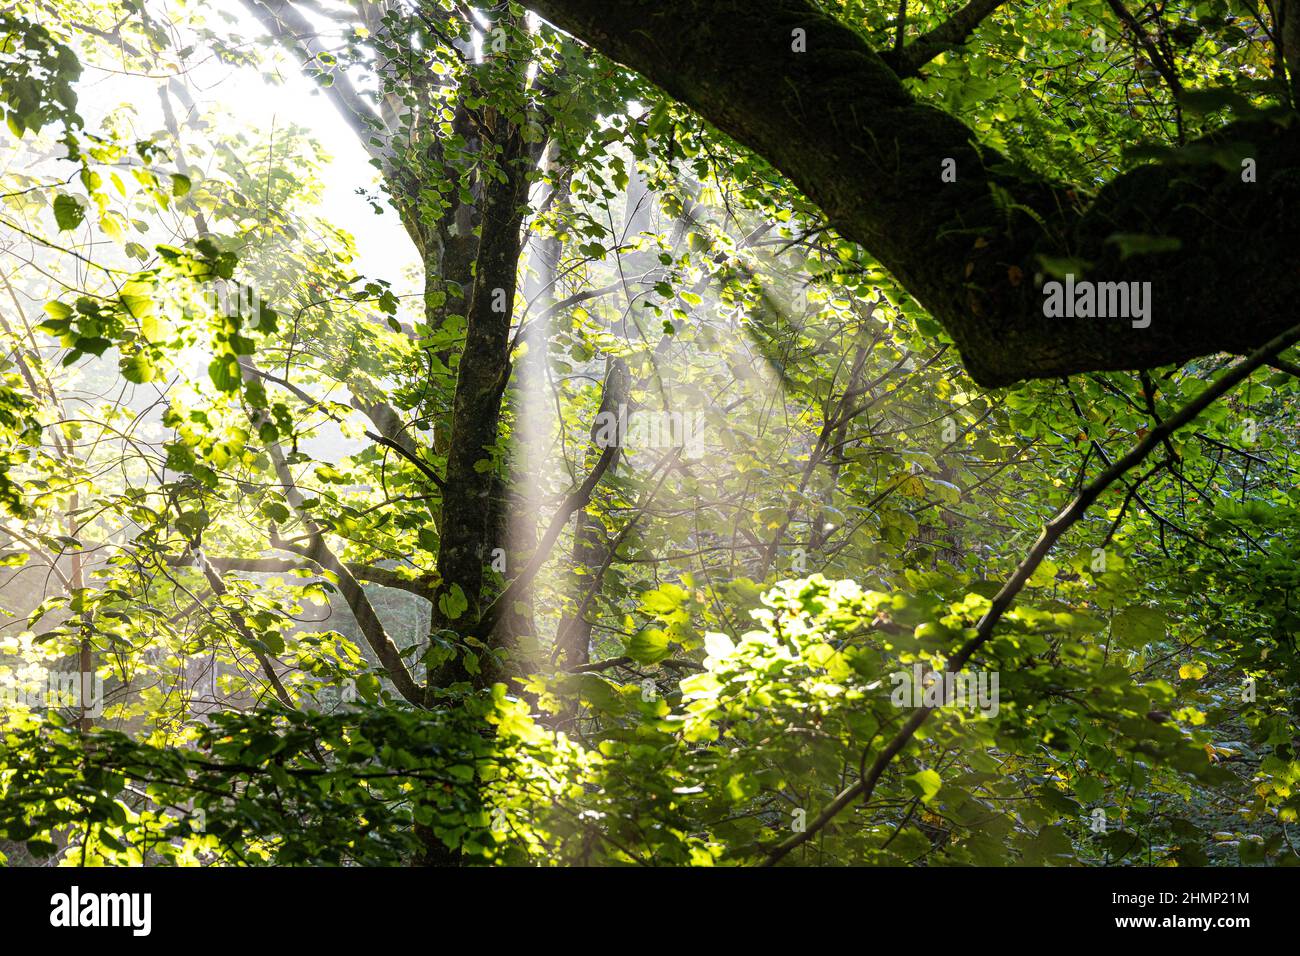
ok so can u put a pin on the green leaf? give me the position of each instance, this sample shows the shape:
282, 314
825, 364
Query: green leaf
276, 512
925, 784
1088, 789
224, 372
647, 646
68, 213
453, 603
138, 369
1135, 626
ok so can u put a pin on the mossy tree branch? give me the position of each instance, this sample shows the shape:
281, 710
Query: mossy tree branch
839, 123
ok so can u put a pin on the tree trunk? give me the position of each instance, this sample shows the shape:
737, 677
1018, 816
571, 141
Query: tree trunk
468, 530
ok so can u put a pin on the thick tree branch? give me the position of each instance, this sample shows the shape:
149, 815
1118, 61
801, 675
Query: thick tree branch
1282, 365
975, 251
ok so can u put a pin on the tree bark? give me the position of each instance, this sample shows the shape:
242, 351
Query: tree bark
468, 526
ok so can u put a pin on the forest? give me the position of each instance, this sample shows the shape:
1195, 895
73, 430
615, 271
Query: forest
611, 433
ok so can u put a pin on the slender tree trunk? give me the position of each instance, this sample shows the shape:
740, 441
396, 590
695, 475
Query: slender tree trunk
590, 546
